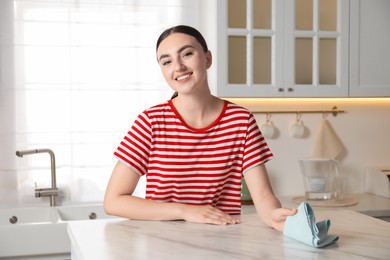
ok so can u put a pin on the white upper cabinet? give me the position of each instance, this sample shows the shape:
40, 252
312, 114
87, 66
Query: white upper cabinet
303, 48
370, 48
276, 48
316, 48
250, 48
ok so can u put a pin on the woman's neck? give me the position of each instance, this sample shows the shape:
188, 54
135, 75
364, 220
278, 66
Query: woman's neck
198, 111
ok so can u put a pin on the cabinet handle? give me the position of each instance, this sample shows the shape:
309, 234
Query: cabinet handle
280, 89
290, 89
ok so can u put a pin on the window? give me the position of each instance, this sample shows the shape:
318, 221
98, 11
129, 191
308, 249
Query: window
83, 70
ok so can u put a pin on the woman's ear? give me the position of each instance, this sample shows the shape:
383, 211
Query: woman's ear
209, 59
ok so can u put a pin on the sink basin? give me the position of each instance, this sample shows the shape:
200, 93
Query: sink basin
37, 239
32, 231
82, 212
17, 216
41, 232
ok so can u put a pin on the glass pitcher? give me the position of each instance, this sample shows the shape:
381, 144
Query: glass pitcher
319, 177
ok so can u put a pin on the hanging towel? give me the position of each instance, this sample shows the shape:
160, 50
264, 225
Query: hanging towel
302, 227
327, 145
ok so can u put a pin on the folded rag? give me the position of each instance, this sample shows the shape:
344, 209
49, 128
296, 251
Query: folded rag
302, 227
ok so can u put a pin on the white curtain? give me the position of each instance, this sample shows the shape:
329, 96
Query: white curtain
74, 74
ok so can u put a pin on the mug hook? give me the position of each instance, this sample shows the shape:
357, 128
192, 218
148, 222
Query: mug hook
267, 117
299, 115
324, 114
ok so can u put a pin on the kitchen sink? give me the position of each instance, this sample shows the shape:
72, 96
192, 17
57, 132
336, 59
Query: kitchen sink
41, 232
28, 240
32, 231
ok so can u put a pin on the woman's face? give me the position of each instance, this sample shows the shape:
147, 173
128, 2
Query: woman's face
183, 63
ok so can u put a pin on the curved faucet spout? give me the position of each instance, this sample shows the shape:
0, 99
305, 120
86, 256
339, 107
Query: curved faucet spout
53, 190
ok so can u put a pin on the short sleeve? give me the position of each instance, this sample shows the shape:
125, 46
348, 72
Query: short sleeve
256, 150
134, 149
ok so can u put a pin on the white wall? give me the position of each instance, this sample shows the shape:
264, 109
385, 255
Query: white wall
364, 131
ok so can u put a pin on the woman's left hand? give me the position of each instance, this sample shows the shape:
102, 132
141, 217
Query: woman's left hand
278, 217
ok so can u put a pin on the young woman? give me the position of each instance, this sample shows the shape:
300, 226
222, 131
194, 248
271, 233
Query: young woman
193, 149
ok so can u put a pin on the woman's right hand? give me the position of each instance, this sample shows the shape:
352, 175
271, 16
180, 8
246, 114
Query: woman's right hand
207, 214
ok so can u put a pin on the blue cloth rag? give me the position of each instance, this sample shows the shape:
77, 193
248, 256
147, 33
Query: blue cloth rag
302, 227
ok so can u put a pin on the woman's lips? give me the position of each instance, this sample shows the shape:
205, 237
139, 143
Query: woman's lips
183, 77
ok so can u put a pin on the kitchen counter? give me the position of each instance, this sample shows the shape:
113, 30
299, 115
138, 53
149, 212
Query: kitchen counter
361, 237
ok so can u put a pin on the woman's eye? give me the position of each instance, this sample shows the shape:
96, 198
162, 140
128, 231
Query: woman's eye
164, 63
187, 54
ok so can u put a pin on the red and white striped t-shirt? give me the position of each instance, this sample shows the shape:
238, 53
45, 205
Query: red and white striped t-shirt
194, 166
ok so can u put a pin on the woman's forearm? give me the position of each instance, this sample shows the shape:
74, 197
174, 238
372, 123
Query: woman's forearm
132, 207
141, 209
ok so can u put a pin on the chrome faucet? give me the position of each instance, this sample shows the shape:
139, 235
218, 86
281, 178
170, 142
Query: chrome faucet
46, 192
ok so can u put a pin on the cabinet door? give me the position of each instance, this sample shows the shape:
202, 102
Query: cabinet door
370, 48
316, 48
250, 48
283, 48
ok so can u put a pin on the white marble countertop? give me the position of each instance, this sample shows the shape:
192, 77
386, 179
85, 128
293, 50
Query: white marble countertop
361, 237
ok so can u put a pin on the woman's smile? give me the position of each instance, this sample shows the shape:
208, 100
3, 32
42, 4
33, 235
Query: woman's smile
183, 77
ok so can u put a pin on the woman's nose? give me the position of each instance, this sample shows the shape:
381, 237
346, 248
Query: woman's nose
179, 65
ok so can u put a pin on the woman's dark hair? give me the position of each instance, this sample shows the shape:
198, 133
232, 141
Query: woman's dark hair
186, 30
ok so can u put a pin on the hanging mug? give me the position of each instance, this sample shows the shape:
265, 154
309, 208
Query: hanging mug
297, 129
267, 129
